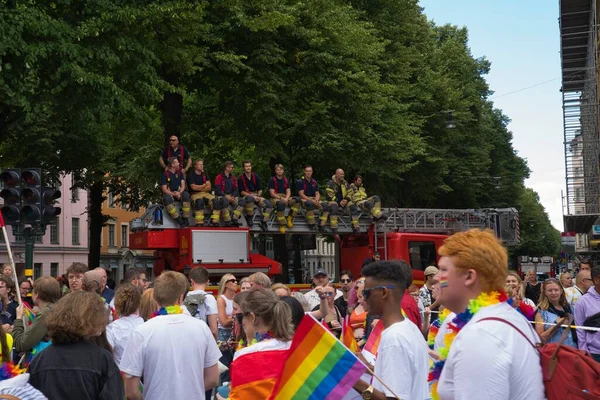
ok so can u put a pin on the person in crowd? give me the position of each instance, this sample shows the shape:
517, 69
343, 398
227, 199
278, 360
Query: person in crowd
75, 276
356, 308
553, 309
532, 286
137, 277
259, 280
8, 314
238, 336
148, 306
402, 360
426, 292
472, 275
73, 323
425, 313
320, 278
227, 288
200, 189
585, 265
565, 280
346, 282
127, 304
250, 187
173, 187
308, 192
281, 290
25, 286
7, 270
177, 151
587, 313
267, 320
6, 345
371, 204
583, 282
520, 303
334, 319
245, 284
337, 194
46, 292
159, 349
302, 300
281, 197
106, 292
227, 192
296, 309
200, 304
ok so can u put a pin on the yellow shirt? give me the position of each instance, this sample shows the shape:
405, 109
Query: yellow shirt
9, 344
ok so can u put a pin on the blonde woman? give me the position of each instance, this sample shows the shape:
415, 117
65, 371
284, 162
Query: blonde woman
553, 309
281, 290
245, 284
228, 285
566, 280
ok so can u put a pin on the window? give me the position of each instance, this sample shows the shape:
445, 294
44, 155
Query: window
19, 239
111, 200
54, 269
124, 235
74, 195
37, 270
39, 239
54, 231
75, 230
422, 254
111, 235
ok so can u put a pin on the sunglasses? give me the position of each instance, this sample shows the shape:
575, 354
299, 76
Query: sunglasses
231, 280
330, 294
345, 280
172, 140
367, 292
239, 317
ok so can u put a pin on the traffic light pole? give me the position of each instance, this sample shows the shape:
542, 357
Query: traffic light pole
29, 237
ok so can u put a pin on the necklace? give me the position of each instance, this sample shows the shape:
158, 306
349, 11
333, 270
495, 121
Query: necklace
454, 327
435, 328
168, 311
525, 309
258, 337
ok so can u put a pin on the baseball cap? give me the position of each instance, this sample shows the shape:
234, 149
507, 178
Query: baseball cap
431, 270
320, 271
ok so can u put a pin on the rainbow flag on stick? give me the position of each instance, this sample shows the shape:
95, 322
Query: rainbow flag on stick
318, 366
372, 345
348, 336
29, 313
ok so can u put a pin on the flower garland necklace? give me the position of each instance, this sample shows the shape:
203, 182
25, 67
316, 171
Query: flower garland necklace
167, 311
525, 309
435, 328
454, 327
258, 337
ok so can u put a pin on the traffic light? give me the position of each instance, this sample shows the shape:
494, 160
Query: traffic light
11, 194
49, 197
31, 196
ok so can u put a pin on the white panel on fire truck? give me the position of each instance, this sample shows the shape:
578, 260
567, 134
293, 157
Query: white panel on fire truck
214, 246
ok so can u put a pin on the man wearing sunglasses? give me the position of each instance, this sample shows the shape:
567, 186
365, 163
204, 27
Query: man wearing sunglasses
402, 361
174, 149
319, 278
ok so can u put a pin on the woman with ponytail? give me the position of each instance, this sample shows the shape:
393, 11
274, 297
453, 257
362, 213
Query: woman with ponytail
127, 303
267, 322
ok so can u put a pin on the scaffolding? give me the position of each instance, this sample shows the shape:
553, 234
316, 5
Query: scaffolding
579, 59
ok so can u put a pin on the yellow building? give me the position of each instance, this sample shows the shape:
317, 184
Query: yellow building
115, 255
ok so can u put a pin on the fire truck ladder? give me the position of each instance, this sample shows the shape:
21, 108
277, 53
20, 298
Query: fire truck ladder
503, 221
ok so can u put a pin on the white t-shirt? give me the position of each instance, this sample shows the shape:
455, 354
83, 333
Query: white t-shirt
402, 362
171, 353
209, 307
314, 300
118, 333
490, 360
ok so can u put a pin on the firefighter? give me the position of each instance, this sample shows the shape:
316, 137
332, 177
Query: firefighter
281, 195
202, 198
226, 188
173, 188
371, 204
339, 199
250, 188
308, 191
174, 149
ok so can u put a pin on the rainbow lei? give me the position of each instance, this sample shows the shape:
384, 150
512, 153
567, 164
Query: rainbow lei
454, 327
435, 328
10, 370
258, 337
525, 309
168, 311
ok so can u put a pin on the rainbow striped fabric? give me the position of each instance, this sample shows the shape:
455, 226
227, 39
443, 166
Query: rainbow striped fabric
372, 345
29, 313
348, 336
318, 366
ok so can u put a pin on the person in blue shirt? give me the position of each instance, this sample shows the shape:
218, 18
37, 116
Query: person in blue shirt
173, 189
308, 191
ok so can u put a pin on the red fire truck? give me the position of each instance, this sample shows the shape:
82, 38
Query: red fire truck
413, 235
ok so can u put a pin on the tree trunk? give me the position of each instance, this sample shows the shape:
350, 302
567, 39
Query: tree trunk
172, 108
96, 221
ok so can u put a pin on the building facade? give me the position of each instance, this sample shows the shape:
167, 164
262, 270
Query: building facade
65, 241
321, 257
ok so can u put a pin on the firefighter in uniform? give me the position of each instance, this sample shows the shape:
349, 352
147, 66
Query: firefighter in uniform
359, 196
202, 198
174, 149
250, 188
173, 189
339, 199
308, 191
281, 195
226, 189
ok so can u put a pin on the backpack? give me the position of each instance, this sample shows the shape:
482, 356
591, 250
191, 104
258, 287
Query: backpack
568, 373
193, 302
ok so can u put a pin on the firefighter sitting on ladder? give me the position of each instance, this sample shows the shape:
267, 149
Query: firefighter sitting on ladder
200, 189
339, 199
250, 188
174, 149
280, 193
173, 188
226, 188
308, 191
372, 204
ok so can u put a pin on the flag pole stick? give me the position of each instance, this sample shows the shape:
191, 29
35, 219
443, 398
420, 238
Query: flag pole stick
11, 259
383, 383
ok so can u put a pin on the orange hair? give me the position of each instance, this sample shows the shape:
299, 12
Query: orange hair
482, 251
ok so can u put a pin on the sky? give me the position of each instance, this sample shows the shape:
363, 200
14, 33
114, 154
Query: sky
522, 41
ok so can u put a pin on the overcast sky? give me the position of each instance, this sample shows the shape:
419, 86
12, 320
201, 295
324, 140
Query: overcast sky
521, 39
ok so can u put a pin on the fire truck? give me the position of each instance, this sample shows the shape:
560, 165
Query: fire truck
413, 235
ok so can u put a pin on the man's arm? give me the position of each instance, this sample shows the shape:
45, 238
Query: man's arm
579, 320
218, 190
166, 190
132, 388
212, 324
25, 340
211, 377
161, 161
361, 386
188, 165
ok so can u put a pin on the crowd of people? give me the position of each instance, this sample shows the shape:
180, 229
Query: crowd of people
463, 335
232, 197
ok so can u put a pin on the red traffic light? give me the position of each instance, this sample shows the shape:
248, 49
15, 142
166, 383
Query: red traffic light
31, 177
10, 177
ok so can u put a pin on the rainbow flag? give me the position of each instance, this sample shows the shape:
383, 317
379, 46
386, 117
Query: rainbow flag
318, 366
29, 313
372, 345
348, 336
